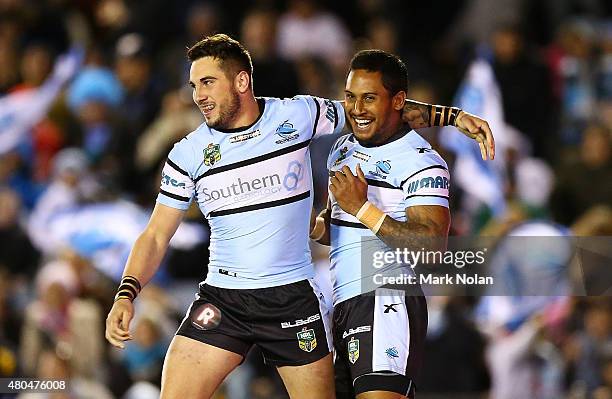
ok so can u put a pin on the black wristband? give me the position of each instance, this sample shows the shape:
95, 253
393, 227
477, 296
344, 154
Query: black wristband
129, 288
438, 115
454, 114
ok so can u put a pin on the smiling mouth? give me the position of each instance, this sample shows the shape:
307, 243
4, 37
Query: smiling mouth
207, 109
363, 123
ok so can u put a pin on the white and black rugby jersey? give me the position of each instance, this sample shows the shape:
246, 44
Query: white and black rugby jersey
254, 187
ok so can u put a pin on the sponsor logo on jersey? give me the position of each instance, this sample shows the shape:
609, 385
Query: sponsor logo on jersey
391, 307
242, 190
239, 138
169, 181
245, 189
295, 173
392, 352
301, 322
383, 168
357, 330
423, 150
286, 131
212, 154
307, 340
428, 182
353, 350
362, 156
206, 317
342, 156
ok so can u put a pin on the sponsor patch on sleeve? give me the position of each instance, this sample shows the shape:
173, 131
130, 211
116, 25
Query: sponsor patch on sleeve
433, 181
176, 183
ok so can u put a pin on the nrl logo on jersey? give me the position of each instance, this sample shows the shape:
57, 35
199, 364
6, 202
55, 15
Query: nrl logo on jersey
307, 340
212, 154
342, 156
353, 350
286, 131
383, 168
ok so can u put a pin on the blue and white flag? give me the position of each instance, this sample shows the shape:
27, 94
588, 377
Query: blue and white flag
103, 233
20, 111
484, 180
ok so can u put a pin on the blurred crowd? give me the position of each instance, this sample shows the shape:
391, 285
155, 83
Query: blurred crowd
76, 189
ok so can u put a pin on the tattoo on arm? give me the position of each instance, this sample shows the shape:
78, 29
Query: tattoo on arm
417, 114
426, 227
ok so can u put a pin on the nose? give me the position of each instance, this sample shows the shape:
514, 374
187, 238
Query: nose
358, 106
199, 95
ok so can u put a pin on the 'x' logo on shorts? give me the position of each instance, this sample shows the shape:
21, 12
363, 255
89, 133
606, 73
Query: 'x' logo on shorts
391, 307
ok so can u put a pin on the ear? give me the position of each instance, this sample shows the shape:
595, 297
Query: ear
398, 100
242, 82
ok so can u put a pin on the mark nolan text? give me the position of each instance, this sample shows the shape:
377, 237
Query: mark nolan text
431, 279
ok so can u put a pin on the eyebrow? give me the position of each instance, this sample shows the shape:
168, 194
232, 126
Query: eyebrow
364, 94
203, 79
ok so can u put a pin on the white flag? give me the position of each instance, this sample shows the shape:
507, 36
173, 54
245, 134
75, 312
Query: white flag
483, 180
20, 111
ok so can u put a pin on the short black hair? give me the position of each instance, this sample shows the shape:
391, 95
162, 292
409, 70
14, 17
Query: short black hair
393, 70
232, 55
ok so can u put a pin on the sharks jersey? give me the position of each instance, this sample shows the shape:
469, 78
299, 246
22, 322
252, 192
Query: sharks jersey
254, 186
400, 174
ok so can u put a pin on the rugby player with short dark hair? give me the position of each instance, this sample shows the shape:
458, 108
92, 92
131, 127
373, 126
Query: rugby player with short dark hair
248, 168
388, 189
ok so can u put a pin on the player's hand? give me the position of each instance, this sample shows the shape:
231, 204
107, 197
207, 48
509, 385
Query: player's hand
350, 191
118, 322
477, 129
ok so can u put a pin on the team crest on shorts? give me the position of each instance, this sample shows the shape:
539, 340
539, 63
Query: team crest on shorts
212, 154
307, 340
206, 317
353, 350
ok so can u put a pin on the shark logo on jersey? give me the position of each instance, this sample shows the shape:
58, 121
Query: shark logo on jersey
212, 154
342, 156
285, 130
383, 168
392, 352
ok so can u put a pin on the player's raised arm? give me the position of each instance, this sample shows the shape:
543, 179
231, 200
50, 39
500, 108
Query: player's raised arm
420, 115
145, 257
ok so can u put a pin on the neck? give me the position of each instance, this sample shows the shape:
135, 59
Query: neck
399, 132
249, 112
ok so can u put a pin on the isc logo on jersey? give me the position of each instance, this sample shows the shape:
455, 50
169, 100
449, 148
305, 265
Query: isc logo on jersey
169, 181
